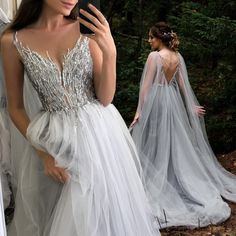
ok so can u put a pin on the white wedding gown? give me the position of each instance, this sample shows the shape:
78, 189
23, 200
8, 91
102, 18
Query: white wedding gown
105, 196
184, 180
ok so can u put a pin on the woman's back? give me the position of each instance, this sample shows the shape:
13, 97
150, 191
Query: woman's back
169, 62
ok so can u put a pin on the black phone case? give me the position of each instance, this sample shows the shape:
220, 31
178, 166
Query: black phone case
83, 4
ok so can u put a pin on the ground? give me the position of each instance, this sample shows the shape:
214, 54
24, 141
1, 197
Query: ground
227, 228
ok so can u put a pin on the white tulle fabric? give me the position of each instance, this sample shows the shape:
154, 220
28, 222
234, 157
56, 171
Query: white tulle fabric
4, 127
184, 180
5, 169
105, 196
3, 9
4, 144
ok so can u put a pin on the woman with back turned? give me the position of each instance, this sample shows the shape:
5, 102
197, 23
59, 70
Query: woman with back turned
184, 180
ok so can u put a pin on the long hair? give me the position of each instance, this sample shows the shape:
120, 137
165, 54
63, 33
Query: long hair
162, 31
29, 12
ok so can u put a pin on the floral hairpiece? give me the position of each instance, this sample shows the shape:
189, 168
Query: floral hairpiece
169, 34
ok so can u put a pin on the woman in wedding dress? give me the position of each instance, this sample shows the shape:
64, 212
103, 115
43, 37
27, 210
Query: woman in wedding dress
81, 175
184, 180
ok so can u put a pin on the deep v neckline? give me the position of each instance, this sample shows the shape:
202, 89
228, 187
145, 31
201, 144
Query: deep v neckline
168, 81
60, 68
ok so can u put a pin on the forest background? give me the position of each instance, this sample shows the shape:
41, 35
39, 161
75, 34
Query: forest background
207, 33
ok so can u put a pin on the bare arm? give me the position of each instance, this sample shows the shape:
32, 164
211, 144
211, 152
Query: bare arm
200, 110
103, 53
14, 77
104, 67
148, 77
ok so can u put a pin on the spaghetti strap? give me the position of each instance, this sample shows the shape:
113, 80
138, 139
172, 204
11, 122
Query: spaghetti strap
16, 42
15, 39
173, 71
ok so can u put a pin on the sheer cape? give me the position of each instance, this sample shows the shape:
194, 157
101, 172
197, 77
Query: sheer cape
184, 180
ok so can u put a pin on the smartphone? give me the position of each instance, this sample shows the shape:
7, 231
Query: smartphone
83, 4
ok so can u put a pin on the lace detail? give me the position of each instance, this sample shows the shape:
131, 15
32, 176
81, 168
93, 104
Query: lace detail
60, 90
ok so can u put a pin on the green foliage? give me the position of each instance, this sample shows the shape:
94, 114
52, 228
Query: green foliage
207, 32
208, 45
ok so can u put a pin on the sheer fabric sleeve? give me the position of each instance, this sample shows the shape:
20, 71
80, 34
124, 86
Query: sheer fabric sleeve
148, 78
196, 121
185, 87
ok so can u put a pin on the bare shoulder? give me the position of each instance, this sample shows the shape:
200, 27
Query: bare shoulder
8, 49
152, 57
7, 40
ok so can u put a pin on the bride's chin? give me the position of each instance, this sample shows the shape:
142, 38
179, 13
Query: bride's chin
66, 13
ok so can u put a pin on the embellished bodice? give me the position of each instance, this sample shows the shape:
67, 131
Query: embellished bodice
65, 89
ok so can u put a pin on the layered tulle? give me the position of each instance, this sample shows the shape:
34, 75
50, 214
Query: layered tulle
184, 180
105, 195
94, 146
4, 130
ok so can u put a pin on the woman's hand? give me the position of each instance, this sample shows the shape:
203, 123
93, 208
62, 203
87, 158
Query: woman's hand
103, 53
51, 170
100, 27
200, 110
136, 117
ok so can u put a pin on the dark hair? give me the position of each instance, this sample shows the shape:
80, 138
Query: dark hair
162, 31
29, 12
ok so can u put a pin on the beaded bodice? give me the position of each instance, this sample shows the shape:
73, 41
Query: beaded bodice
60, 90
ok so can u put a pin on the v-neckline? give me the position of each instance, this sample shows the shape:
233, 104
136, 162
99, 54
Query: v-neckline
175, 71
60, 68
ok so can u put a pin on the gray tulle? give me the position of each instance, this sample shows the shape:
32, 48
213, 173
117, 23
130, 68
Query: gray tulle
184, 180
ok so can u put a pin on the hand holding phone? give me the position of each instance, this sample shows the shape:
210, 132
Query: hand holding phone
83, 4
101, 32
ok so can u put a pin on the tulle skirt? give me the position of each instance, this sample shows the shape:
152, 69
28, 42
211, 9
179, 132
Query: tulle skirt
184, 180
105, 195
5, 171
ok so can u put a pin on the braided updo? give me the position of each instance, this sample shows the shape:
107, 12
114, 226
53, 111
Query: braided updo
162, 31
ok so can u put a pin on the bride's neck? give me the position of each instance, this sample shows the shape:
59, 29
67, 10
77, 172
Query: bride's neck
50, 20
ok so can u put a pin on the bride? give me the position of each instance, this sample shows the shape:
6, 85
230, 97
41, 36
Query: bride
185, 182
79, 173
